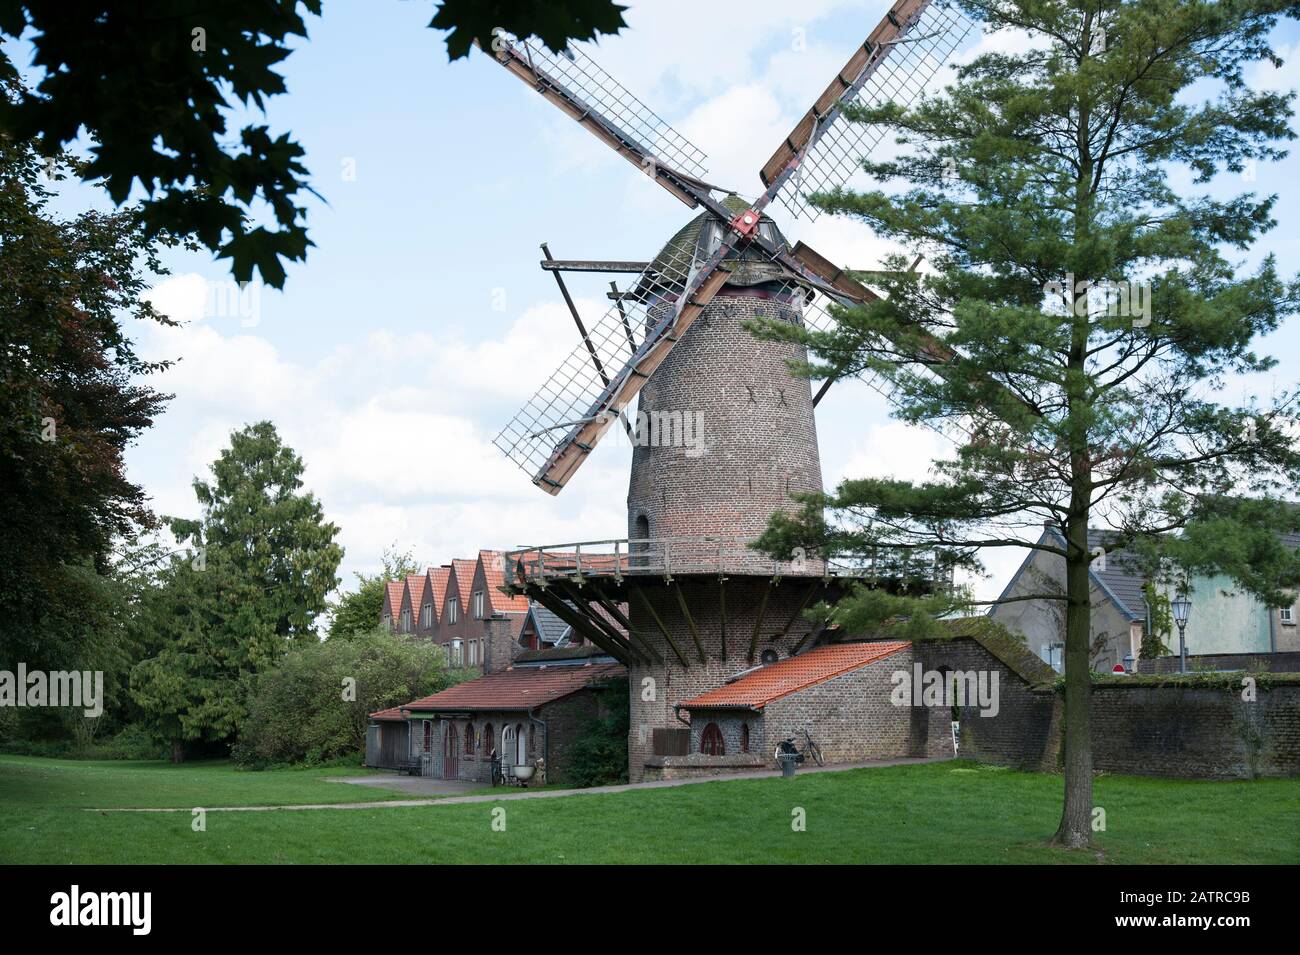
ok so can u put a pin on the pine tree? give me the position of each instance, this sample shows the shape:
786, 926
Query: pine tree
1082, 316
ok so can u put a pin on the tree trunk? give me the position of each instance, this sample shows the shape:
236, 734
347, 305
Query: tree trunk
178, 751
1075, 830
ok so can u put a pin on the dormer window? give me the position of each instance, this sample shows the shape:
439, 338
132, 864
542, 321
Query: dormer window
388, 621
480, 605
406, 621
452, 611
426, 616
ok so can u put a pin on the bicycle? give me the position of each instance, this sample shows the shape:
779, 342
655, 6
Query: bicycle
788, 747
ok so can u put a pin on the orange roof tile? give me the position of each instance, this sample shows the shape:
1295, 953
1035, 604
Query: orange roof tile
438, 577
494, 574
791, 675
415, 583
464, 571
394, 596
392, 713
518, 688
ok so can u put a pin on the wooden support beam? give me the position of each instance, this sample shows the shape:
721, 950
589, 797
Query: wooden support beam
804, 639
690, 622
556, 605
593, 265
645, 603
803, 604
758, 622
612, 609
579, 599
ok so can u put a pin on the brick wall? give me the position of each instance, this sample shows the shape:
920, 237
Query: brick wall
759, 433
1137, 729
1272, 662
673, 683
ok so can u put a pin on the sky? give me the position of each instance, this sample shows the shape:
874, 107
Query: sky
421, 320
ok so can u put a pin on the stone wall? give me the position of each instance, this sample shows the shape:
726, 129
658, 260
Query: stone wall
1139, 726
1272, 662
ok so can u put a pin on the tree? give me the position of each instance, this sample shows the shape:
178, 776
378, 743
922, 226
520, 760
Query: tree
73, 397
260, 563
360, 610
154, 83
314, 704
1082, 316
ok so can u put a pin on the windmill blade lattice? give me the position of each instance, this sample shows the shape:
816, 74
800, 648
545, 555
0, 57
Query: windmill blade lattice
603, 98
602, 373
901, 72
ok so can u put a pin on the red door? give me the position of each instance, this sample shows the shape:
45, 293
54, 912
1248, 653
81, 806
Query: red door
450, 766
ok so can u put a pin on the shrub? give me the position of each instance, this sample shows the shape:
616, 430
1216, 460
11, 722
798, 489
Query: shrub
314, 704
598, 757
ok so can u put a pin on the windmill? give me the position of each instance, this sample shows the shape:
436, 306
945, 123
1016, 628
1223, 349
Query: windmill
674, 337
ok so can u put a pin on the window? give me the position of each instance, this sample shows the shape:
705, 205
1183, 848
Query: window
388, 621
489, 742
457, 653
428, 736
1053, 655
406, 621
469, 739
711, 743
473, 653
744, 738
426, 616
1288, 616
479, 605
453, 610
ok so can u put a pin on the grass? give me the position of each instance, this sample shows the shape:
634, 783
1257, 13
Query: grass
941, 812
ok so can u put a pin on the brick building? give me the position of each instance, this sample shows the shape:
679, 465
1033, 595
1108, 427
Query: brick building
531, 711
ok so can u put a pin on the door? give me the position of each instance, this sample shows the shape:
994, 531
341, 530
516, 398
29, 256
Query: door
450, 759
508, 736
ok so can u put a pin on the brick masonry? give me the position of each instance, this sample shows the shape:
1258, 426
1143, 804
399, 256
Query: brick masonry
1137, 729
759, 433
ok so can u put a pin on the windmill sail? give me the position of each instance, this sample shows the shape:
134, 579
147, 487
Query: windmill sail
572, 81
898, 60
557, 428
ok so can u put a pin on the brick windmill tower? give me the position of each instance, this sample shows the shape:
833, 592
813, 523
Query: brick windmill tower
723, 435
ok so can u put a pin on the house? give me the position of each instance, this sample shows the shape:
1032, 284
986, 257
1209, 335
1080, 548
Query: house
395, 600
1119, 607
421, 597
838, 693
543, 629
533, 710
1224, 619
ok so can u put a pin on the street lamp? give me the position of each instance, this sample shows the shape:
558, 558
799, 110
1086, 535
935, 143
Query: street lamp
1182, 608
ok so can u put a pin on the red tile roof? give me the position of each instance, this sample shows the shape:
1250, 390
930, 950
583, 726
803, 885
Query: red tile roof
415, 583
794, 674
464, 571
394, 596
392, 713
494, 574
438, 577
518, 688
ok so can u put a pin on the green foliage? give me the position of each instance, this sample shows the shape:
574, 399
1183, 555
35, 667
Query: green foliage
72, 400
263, 560
184, 66
359, 611
297, 710
1161, 622
598, 756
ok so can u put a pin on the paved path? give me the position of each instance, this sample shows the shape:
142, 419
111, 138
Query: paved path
509, 795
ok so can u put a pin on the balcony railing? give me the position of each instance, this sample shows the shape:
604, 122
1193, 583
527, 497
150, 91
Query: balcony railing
668, 556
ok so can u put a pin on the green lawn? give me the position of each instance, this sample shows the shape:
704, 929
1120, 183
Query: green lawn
944, 812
